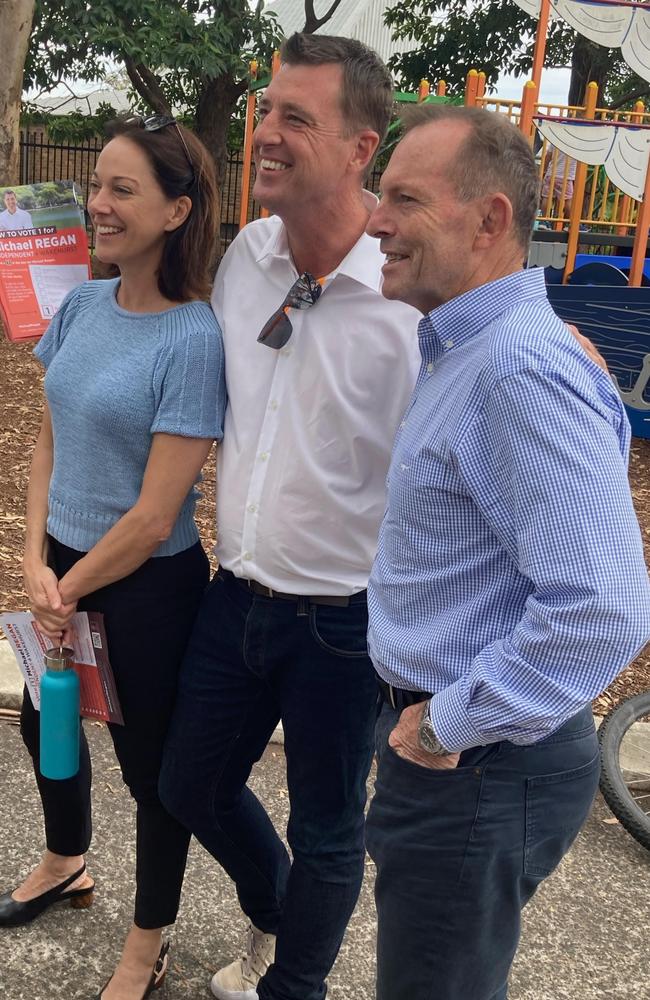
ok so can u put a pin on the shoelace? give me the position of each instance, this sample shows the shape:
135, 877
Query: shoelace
254, 964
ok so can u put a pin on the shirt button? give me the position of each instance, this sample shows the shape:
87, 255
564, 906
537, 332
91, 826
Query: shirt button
430, 366
252, 508
286, 351
247, 556
273, 405
449, 343
403, 424
263, 456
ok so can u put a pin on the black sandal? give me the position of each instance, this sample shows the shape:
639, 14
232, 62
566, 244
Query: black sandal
13, 912
157, 976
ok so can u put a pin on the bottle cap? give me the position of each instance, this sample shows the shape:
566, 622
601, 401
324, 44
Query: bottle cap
59, 658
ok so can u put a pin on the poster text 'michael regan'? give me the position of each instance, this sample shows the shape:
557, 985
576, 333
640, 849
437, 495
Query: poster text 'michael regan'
40, 242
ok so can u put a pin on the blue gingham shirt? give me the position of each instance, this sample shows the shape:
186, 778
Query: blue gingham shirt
509, 580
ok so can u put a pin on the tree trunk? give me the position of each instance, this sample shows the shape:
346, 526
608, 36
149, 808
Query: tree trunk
15, 28
589, 62
147, 85
215, 109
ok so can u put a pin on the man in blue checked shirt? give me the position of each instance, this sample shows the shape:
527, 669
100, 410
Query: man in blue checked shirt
509, 587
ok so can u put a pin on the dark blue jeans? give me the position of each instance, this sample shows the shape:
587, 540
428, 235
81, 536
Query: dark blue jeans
460, 852
251, 661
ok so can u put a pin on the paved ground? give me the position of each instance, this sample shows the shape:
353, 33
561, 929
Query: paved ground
11, 684
585, 935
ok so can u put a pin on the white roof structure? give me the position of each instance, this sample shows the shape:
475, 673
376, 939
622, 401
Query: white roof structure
611, 23
361, 19
87, 103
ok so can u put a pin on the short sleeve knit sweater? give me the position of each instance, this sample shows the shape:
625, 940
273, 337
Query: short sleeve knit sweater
114, 378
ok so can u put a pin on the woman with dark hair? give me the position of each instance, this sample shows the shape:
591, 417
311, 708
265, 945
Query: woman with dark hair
135, 396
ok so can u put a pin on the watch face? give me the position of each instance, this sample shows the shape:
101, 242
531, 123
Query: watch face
429, 740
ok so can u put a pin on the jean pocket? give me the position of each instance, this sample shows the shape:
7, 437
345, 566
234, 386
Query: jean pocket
556, 807
338, 630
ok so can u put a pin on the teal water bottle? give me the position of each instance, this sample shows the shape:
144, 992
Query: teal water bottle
59, 715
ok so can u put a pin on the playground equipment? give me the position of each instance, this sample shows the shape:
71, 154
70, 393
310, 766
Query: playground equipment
606, 295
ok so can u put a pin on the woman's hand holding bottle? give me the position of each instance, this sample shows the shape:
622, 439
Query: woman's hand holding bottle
53, 617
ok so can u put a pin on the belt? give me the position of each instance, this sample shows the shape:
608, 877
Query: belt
400, 698
328, 601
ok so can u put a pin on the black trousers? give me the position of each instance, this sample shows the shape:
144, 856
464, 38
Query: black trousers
148, 618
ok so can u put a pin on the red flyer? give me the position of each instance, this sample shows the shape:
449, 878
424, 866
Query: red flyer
98, 695
43, 253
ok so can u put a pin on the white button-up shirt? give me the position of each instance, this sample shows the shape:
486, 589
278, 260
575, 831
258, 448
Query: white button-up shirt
20, 219
309, 429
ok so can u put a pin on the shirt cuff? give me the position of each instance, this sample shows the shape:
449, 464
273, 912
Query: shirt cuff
450, 721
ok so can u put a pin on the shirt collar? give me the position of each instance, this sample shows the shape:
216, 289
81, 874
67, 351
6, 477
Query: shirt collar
362, 263
457, 321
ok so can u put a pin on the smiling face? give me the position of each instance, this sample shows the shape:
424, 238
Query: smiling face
130, 213
10, 202
302, 147
427, 234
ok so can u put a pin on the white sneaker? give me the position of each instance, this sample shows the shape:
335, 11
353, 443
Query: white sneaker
238, 981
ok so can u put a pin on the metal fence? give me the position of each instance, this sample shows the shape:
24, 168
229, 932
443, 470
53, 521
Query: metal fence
41, 160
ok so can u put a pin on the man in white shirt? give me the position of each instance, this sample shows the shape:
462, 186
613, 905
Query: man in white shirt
14, 217
313, 408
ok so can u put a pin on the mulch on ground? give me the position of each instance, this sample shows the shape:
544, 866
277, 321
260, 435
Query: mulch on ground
20, 407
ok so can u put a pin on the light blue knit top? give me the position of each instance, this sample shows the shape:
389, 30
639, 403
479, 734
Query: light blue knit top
114, 378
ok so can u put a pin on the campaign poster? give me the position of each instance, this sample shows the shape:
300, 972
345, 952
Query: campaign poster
43, 253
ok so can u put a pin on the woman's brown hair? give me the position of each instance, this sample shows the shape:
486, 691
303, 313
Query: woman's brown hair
182, 166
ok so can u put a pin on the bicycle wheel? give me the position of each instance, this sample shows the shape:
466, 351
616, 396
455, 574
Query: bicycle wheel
625, 765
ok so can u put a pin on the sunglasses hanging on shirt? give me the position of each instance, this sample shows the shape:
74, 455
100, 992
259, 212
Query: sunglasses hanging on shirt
303, 293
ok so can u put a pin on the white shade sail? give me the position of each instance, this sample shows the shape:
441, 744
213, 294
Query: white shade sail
611, 23
623, 150
531, 7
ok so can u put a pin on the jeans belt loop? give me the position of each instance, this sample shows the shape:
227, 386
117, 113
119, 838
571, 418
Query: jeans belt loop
303, 607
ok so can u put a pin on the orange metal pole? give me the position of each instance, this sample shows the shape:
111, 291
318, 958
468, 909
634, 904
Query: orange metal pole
441, 89
579, 184
480, 91
528, 102
540, 42
423, 90
641, 235
471, 87
248, 150
275, 67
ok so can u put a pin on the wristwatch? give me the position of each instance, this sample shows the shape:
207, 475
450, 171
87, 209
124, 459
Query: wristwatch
427, 736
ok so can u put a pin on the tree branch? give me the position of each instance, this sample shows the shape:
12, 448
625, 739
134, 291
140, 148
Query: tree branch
147, 86
632, 95
312, 22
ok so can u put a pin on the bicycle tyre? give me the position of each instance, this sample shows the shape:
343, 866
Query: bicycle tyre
612, 783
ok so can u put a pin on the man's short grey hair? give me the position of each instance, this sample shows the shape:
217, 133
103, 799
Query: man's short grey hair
494, 157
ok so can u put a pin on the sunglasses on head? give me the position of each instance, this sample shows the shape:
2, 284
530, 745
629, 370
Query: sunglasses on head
153, 123
303, 293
